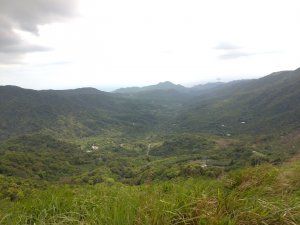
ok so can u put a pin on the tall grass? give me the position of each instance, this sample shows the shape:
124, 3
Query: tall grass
248, 196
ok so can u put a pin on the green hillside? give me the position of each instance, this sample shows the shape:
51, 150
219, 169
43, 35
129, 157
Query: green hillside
71, 113
267, 105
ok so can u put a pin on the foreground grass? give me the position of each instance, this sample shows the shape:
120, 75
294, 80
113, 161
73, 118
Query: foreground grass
259, 195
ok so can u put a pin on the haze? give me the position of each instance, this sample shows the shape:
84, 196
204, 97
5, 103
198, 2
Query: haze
59, 44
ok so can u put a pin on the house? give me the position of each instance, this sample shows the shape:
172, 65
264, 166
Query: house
204, 165
94, 147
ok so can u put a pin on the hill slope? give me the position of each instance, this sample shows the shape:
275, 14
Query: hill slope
80, 112
269, 104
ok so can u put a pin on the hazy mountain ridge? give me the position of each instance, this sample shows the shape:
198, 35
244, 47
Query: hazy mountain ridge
264, 105
167, 85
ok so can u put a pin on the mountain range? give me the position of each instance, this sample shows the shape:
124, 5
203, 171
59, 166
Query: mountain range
269, 104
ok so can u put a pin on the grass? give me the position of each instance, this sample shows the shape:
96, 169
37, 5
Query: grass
103, 204
255, 195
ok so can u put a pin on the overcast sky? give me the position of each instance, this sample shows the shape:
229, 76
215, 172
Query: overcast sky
61, 44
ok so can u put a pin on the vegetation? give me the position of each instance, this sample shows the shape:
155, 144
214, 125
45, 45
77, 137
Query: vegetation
122, 182
248, 196
266, 105
163, 154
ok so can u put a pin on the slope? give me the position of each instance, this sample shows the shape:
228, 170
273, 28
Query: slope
269, 104
78, 113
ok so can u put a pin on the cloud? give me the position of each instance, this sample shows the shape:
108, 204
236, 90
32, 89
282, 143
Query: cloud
10, 59
236, 54
27, 15
10, 42
231, 51
226, 46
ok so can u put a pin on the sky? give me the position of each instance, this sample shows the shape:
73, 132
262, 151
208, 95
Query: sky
62, 44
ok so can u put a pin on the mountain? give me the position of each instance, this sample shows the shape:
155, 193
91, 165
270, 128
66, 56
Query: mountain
167, 94
206, 87
268, 104
167, 85
79, 112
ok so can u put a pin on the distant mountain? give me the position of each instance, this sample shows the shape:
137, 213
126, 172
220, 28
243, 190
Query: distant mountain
165, 88
167, 85
208, 86
167, 93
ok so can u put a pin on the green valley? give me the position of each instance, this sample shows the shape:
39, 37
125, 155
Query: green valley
220, 153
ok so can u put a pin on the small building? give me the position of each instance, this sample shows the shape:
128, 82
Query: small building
204, 165
94, 147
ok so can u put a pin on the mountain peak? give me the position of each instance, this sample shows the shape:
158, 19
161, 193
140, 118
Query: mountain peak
166, 85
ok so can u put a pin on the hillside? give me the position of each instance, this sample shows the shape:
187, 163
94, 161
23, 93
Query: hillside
73, 113
265, 105
39, 157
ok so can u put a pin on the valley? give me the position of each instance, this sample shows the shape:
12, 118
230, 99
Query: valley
220, 153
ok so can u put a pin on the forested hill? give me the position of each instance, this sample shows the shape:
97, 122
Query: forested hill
79, 112
266, 105
269, 104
